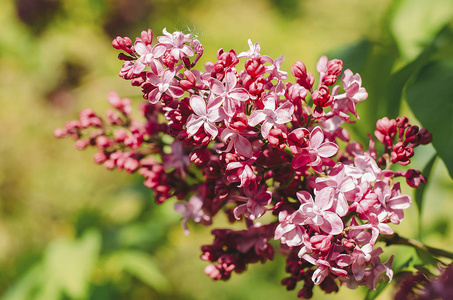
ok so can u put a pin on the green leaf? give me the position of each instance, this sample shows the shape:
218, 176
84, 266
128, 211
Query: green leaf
354, 56
68, 264
430, 98
398, 79
26, 285
426, 257
373, 294
142, 266
415, 22
420, 191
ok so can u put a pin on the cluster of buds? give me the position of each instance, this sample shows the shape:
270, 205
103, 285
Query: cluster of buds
248, 143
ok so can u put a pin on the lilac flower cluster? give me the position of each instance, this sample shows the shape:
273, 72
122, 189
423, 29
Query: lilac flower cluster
248, 143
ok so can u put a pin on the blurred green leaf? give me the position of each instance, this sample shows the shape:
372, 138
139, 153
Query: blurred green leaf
373, 294
415, 22
69, 263
142, 266
26, 285
426, 257
420, 191
398, 80
354, 56
430, 98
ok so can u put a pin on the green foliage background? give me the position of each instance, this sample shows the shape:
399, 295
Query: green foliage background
72, 230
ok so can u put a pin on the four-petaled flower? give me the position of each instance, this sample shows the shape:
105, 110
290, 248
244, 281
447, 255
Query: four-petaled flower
205, 115
271, 116
166, 84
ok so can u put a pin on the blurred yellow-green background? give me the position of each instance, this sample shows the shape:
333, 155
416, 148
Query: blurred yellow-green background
70, 229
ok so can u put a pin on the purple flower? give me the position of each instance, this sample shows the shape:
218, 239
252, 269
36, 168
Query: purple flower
192, 210
255, 206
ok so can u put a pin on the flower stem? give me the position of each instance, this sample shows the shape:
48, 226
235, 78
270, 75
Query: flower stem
396, 239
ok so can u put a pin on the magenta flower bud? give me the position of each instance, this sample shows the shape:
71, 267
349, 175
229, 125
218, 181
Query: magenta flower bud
386, 130
334, 67
212, 272
411, 131
401, 154
329, 80
297, 92
425, 136
414, 178
131, 164
199, 156
123, 56
81, 144
99, 157
277, 138
321, 96
257, 86
189, 82
109, 164
299, 70
147, 37
229, 58
72, 126
349, 244
59, 133
254, 67
169, 60
386, 126
239, 121
102, 142
124, 44
298, 138
120, 135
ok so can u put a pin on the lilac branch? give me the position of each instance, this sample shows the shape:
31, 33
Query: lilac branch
396, 239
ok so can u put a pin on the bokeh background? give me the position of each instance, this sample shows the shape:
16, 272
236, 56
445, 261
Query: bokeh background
70, 229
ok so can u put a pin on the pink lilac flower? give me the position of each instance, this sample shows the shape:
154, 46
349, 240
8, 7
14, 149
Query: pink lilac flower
355, 93
270, 116
290, 230
192, 210
176, 43
253, 52
237, 140
344, 188
364, 169
149, 56
241, 171
392, 201
317, 213
176, 159
275, 71
317, 153
323, 269
164, 85
204, 115
230, 94
255, 206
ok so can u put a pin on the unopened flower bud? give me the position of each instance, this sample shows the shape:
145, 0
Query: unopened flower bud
81, 144
99, 157
414, 178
